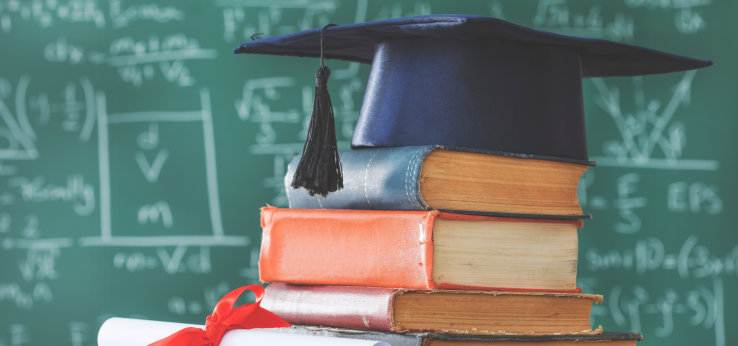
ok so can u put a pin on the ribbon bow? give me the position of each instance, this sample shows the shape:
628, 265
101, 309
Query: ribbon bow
225, 318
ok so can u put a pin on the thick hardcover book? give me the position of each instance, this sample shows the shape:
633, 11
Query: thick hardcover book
440, 311
432, 339
417, 250
434, 177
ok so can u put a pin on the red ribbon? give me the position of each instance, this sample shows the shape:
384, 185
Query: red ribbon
225, 318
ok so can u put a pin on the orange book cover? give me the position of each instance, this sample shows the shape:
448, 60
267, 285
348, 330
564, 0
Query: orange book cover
357, 247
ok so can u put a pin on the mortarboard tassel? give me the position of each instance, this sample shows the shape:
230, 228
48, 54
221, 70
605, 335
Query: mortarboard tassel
319, 169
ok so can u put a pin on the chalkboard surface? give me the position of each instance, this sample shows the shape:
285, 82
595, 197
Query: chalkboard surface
136, 150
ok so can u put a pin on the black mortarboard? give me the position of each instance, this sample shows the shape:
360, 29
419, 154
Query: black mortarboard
472, 81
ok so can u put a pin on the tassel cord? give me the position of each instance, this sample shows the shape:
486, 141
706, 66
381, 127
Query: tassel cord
319, 170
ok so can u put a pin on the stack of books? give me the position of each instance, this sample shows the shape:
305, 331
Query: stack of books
434, 246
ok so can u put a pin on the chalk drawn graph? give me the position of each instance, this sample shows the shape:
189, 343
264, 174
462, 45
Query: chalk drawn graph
648, 131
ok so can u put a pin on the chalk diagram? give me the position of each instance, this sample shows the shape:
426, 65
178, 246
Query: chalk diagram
82, 112
650, 137
159, 210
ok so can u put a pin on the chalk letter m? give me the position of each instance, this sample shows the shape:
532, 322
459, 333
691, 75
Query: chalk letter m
152, 213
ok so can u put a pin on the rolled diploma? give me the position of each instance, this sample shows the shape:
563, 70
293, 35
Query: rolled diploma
119, 331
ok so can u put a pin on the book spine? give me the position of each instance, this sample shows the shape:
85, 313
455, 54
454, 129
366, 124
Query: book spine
347, 247
353, 307
378, 179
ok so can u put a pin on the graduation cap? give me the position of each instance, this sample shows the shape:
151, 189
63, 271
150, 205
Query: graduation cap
461, 81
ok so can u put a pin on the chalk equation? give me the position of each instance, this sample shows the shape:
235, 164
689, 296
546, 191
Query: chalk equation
557, 16
244, 18
661, 313
687, 17
94, 14
211, 294
629, 200
180, 259
691, 260
24, 111
137, 60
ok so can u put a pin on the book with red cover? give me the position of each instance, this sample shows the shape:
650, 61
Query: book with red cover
437, 311
417, 250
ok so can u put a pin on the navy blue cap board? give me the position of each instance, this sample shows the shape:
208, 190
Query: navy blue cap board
472, 81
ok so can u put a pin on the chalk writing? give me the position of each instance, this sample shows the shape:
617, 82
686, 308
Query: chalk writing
25, 297
39, 264
660, 314
626, 203
48, 13
690, 261
137, 61
19, 335
149, 139
123, 16
555, 15
666, 4
181, 307
152, 213
179, 260
258, 98
211, 295
74, 114
79, 193
152, 170
398, 9
62, 50
695, 198
242, 18
30, 228
687, 20
79, 333
681, 197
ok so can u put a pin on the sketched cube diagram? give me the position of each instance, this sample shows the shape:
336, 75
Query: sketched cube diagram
142, 153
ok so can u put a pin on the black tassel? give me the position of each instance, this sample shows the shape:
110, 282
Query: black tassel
319, 169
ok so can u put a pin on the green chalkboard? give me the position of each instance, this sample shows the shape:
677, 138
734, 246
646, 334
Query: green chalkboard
136, 150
